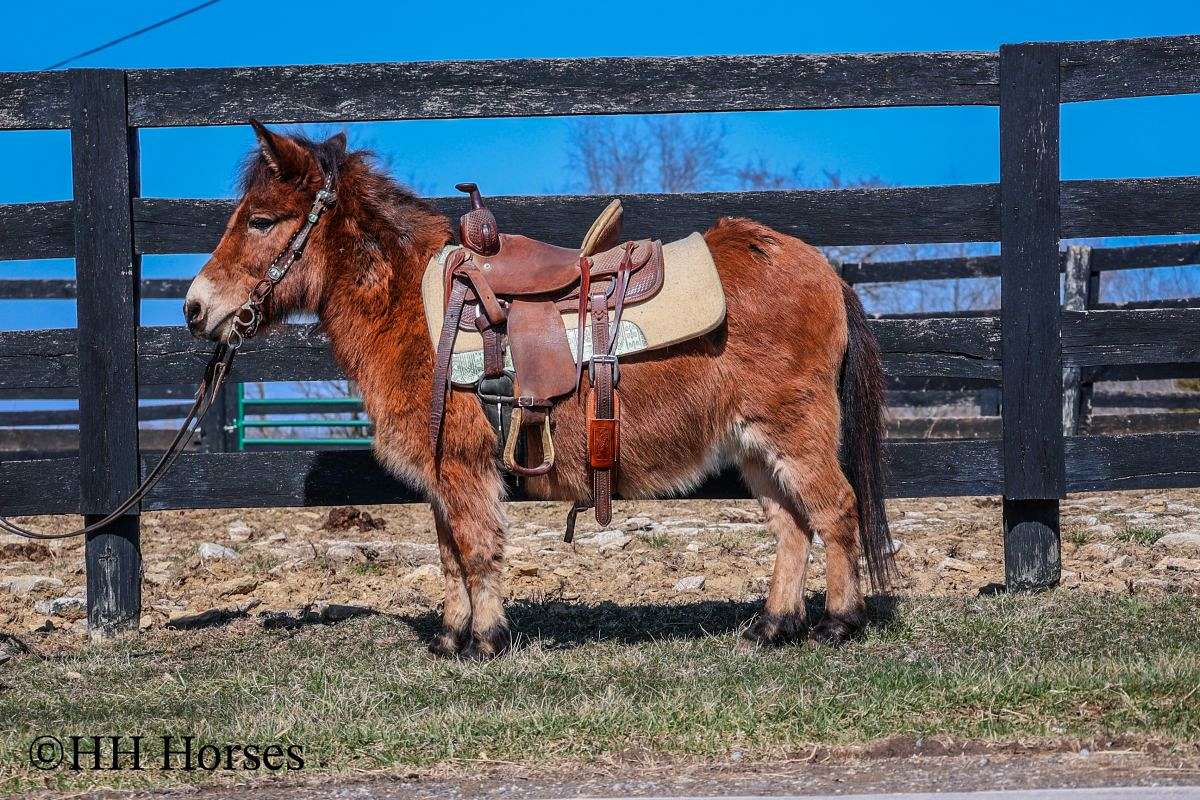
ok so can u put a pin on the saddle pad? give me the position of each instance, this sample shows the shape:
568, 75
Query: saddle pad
690, 304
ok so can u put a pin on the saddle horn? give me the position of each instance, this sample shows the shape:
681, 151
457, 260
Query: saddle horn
477, 228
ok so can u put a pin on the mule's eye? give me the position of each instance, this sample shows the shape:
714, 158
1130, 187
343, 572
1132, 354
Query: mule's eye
261, 223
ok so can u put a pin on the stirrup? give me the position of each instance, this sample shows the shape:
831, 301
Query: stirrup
510, 446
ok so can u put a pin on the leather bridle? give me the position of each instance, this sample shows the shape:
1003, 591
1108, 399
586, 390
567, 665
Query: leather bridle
245, 324
247, 319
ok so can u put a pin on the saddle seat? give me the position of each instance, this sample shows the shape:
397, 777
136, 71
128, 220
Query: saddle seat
523, 266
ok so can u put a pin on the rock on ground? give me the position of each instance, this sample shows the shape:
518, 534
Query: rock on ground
950, 564
241, 585
410, 553
239, 531
1097, 550
607, 540
211, 551
61, 606
22, 585
426, 572
1181, 544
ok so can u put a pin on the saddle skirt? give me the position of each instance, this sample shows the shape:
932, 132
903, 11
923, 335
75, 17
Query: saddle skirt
690, 304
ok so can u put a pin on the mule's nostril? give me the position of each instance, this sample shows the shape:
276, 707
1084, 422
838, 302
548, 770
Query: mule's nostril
191, 311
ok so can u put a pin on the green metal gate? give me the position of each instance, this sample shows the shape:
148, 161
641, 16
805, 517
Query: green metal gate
295, 406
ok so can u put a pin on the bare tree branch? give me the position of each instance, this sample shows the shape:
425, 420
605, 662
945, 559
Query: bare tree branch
609, 155
690, 156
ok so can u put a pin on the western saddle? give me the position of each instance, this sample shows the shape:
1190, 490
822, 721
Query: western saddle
514, 291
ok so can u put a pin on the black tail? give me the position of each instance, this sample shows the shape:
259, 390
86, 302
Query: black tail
860, 391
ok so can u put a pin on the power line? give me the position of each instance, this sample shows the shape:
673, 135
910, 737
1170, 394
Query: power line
132, 34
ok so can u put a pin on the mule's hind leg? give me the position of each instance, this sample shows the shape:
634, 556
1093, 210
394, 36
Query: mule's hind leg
804, 460
456, 604
783, 618
829, 502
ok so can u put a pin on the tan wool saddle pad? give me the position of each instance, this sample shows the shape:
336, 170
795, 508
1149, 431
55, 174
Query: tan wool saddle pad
690, 304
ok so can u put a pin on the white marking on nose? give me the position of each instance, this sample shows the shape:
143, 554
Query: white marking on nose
202, 291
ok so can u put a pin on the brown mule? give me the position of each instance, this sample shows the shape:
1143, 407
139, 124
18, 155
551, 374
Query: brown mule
789, 388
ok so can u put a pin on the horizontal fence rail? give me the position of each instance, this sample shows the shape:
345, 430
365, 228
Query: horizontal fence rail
37, 230
559, 87
1096, 70
824, 217
1103, 259
325, 477
933, 468
68, 288
967, 213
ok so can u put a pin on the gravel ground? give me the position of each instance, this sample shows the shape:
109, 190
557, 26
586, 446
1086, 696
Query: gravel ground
263, 561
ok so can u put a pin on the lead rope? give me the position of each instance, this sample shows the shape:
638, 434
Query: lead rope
210, 388
246, 321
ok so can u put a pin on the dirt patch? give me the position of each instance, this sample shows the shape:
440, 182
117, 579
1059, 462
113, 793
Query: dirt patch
385, 557
343, 518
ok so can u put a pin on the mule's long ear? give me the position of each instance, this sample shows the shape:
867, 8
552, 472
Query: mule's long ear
285, 157
338, 143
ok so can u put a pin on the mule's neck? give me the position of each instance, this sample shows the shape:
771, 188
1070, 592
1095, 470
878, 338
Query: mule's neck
373, 311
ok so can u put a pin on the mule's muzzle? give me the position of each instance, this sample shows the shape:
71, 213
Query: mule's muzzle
193, 314
206, 311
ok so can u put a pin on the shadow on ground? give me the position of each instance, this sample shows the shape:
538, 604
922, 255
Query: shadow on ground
562, 625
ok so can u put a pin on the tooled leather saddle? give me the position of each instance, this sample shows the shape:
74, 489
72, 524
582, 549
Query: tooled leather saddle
513, 291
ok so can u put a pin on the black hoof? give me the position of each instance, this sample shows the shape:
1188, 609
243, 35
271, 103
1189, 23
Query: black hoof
837, 629
495, 641
449, 643
772, 629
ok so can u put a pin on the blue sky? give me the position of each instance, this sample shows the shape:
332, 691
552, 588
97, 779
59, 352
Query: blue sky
1146, 137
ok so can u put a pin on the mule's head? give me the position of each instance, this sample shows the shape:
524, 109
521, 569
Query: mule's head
281, 179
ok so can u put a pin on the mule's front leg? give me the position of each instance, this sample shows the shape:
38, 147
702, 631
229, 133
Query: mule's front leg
474, 517
456, 604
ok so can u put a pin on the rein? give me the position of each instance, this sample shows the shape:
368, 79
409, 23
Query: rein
245, 325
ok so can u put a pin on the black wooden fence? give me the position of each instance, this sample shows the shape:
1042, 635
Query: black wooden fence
108, 226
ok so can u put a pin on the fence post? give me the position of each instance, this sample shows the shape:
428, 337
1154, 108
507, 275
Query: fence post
230, 417
215, 436
104, 164
1077, 288
1032, 382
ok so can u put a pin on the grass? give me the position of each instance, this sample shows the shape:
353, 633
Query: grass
1140, 534
656, 539
607, 681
